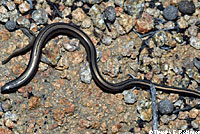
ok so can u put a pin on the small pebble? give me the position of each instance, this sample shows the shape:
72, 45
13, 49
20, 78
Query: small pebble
71, 45
110, 14
6, 106
195, 123
119, 2
129, 97
86, 23
145, 23
51, 53
186, 7
125, 24
106, 40
165, 106
14, 14
170, 13
24, 7
14, 117
23, 21
144, 108
97, 17
182, 23
134, 7
10, 25
112, 67
33, 102
40, 16
78, 15
193, 30
10, 5
195, 42
165, 119
8, 123
183, 115
91, 1
86, 76
3, 14
193, 113
178, 103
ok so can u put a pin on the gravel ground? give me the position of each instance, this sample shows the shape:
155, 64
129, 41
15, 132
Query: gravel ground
63, 98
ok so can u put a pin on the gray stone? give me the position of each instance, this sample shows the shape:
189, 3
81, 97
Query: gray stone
110, 14
165, 106
186, 7
170, 13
